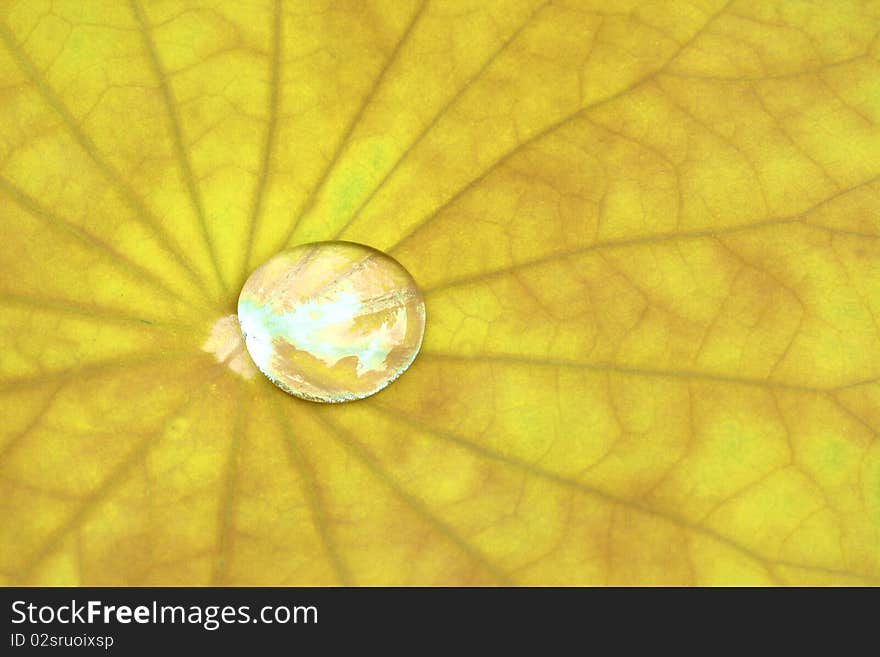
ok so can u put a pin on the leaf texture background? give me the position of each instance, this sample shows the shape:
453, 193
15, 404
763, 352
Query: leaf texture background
647, 233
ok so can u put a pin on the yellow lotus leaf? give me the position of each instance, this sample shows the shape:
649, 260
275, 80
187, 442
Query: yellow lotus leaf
648, 237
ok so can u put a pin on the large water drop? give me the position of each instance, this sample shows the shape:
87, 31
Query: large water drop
331, 321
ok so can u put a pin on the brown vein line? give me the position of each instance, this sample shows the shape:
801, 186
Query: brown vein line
58, 495
541, 134
814, 71
845, 231
19, 437
684, 375
102, 367
657, 238
269, 138
781, 125
349, 131
30, 205
141, 212
116, 476
836, 572
313, 496
660, 238
440, 113
226, 516
856, 384
170, 563
177, 134
86, 310
561, 480
748, 488
357, 450
718, 135
855, 417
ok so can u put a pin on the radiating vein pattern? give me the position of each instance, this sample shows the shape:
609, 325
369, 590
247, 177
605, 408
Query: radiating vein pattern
647, 236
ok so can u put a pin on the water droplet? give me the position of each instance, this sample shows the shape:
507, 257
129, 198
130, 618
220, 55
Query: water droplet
331, 321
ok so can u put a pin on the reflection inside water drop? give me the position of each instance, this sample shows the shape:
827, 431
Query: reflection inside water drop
331, 321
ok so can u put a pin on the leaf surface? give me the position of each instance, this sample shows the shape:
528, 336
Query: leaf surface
648, 238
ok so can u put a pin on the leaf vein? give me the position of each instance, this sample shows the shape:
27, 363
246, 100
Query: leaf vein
357, 450
143, 215
352, 125
177, 135
550, 129
269, 137
430, 125
313, 497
